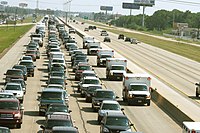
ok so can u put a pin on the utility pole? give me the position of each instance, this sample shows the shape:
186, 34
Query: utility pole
143, 16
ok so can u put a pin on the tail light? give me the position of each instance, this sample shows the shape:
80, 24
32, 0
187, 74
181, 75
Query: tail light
193, 131
149, 78
126, 78
17, 114
108, 60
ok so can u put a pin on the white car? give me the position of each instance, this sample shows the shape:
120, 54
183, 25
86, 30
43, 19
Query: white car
57, 61
16, 89
107, 106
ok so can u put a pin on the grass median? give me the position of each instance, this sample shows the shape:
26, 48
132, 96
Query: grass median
185, 50
10, 34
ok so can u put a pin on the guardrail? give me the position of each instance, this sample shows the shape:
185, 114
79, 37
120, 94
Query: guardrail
169, 108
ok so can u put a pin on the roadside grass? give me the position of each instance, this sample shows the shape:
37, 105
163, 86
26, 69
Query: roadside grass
9, 35
29, 20
185, 50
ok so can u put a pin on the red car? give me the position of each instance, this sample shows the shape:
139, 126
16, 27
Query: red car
11, 112
80, 68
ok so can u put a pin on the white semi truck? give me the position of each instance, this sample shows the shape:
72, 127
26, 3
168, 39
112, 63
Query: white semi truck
116, 68
137, 88
102, 54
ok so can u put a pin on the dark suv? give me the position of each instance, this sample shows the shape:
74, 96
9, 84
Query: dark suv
29, 65
11, 113
13, 74
115, 122
23, 68
100, 95
51, 96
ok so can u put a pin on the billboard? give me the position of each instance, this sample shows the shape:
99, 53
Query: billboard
23, 4
130, 6
106, 8
2, 8
4, 2
145, 2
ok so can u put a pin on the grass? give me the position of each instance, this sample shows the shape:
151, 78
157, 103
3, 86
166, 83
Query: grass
188, 51
9, 35
29, 20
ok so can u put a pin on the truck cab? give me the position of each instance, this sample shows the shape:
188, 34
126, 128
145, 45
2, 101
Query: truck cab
115, 68
102, 54
92, 48
136, 88
191, 127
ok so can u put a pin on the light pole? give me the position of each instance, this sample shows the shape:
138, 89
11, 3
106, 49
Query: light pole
66, 3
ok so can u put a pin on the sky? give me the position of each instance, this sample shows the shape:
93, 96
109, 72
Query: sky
94, 5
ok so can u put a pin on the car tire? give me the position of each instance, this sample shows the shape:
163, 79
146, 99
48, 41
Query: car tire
18, 125
33, 75
148, 103
41, 113
197, 94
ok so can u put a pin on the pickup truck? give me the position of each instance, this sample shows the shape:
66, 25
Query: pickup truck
102, 54
92, 48
87, 39
37, 38
136, 88
115, 68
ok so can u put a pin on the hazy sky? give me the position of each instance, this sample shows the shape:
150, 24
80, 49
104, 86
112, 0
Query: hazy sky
94, 5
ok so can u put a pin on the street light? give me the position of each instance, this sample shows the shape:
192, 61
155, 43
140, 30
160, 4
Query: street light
66, 3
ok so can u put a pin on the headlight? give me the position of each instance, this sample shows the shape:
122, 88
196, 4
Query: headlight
148, 96
17, 115
130, 95
111, 73
129, 130
105, 129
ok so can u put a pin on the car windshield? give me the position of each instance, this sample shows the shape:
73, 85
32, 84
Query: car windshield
117, 68
91, 81
57, 74
56, 81
117, 121
26, 58
9, 105
84, 68
89, 74
51, 95
20, 67
58, 109
13, 87
92, 89
29, 64
94, 46
57, 69
4, 130
110, 107
52, 123
105, 94
18, 81
31, 52
106, 56
57, 61
138, 88
14, 72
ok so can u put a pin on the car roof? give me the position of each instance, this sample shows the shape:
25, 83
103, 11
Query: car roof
104, 90
26, 61
91, 77
59, 116
110, 102
89, 71
52, 90
64, 128
115, 114
14, 69
9, 99
11, 83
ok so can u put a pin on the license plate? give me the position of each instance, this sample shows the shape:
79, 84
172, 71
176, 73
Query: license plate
139, 101
118, 77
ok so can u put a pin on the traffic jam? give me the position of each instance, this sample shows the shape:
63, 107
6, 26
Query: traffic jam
54, 98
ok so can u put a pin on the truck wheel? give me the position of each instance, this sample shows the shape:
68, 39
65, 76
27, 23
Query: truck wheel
197, 94
18, 125
148, 103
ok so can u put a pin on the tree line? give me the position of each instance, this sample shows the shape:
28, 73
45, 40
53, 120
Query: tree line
160, 20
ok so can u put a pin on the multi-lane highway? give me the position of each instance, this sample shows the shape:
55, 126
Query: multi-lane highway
177, 71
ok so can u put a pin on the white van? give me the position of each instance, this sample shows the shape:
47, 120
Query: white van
191, 127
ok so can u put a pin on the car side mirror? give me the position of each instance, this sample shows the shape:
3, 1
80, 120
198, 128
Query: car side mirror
21, 108
131, 124
65, 83
197, 84
102, 83
122, 109
117, 97
70, 111
42, 126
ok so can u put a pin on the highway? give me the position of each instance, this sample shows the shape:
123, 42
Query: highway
146, 119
